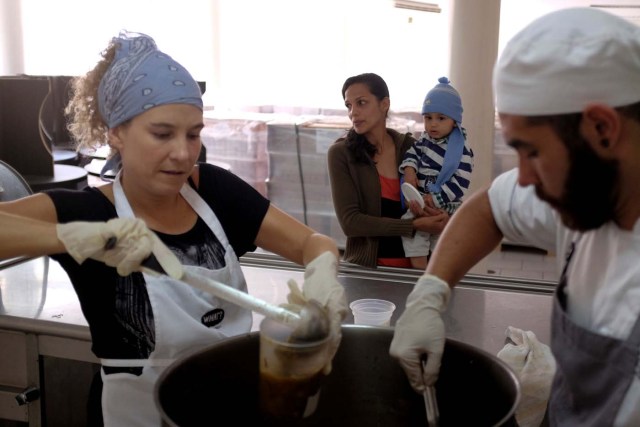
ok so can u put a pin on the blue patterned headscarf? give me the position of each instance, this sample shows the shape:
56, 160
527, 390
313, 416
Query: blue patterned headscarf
142, 77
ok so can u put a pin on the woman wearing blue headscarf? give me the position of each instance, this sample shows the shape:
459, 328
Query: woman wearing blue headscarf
149, 110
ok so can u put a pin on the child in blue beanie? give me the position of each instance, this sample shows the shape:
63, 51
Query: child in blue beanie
439, 164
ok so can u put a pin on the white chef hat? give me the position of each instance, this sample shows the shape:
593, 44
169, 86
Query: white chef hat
567, 59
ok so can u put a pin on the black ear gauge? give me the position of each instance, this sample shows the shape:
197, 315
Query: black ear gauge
604, 142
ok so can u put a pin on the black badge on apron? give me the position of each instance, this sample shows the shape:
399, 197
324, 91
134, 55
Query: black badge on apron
213, 317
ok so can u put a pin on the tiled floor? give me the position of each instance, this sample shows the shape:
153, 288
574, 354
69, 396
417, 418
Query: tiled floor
519, 262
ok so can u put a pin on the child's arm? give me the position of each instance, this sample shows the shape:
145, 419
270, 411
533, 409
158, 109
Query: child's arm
410, 176
409, 165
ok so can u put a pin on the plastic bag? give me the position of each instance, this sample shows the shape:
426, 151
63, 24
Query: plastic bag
535, 366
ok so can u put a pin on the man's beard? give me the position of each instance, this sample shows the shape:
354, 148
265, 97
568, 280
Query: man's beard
591, 189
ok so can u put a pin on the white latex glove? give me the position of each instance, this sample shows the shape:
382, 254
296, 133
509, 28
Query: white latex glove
120, 242
420, 331
535, 366
321, 284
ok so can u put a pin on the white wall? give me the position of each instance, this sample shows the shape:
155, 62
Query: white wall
11, 51
289, 52
474, 40
299, 52
282, 52
65, 37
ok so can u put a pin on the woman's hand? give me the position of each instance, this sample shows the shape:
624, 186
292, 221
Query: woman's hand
428, 201
426, 210
123, 243
416, 209
432, 222
321, 284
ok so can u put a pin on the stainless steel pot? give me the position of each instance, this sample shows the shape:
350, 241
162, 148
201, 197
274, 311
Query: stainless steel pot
366, 387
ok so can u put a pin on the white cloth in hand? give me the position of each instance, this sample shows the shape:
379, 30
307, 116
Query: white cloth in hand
321, 284
130, 243
419, 331
535, 366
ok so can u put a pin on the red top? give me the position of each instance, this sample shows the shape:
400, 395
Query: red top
390, 189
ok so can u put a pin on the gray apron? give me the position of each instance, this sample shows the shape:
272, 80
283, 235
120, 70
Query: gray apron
594, 372
178, 313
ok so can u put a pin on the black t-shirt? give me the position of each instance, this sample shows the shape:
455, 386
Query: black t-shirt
117, 308
390, 246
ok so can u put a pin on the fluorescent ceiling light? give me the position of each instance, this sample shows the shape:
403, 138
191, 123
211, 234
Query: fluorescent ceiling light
417, 5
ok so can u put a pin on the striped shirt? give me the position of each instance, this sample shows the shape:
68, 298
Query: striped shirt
426, 157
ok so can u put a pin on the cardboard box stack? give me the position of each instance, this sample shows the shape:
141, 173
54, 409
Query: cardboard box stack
239, 140
298, 176
284, 156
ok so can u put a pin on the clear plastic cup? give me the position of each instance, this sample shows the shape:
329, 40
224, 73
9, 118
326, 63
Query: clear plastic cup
290, 373
374, 312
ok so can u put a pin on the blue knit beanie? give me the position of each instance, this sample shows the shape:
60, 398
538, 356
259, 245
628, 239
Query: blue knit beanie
443, 99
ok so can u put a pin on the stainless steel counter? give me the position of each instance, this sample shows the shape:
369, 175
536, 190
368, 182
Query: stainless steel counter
37, 297
44, 337
480, 310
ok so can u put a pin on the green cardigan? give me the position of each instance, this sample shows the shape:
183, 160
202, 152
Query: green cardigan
355, 188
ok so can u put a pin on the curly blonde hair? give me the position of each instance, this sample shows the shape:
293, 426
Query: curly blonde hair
85, 123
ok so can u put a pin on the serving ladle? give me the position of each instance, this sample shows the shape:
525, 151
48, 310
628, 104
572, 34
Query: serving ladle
311, 323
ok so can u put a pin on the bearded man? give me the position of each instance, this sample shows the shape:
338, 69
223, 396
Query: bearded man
567, 91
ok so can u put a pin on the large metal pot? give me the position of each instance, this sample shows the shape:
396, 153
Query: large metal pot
219, 385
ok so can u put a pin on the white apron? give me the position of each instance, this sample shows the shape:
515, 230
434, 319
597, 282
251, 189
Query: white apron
178, 312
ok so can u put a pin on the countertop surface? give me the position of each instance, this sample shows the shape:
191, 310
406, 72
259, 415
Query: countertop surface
36, 296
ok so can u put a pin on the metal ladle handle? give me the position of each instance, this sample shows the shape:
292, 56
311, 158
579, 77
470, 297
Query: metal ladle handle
431, 403
227, 293
242, 299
